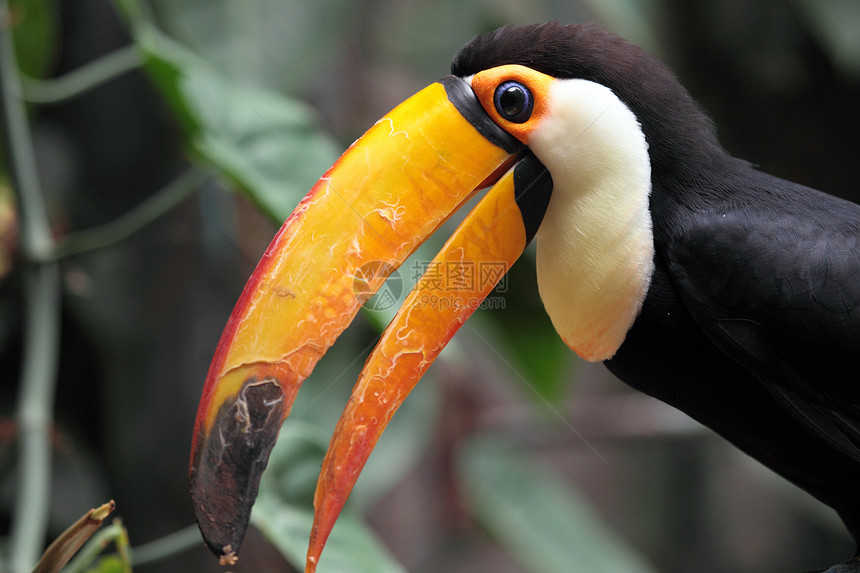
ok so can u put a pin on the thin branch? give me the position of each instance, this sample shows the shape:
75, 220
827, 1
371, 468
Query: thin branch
123, 227
167, 546
21, 158
41, 316
83, 79
35, 408
113, 533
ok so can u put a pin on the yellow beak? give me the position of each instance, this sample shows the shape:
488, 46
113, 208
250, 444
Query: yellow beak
384, 196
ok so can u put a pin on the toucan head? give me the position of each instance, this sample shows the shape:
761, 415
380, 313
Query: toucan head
555, 120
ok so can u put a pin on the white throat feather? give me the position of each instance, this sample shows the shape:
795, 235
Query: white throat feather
595, 246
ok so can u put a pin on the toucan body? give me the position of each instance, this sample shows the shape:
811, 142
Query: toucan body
726, 292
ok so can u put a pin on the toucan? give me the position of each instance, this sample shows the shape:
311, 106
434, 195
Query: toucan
726, 292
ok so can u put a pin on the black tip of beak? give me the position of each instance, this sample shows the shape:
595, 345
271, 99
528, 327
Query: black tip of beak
229, 461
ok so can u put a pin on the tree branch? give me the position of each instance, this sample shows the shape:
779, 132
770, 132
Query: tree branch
41, 316
83, 79
123, 227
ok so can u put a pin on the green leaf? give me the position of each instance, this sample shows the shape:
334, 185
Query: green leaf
109, 564
284, 514
524, 337
268, 43
351, 548
35, 34
835, 23
536, 517
265, 143
268, 145
520, 334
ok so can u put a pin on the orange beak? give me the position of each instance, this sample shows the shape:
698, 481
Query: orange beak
384, 196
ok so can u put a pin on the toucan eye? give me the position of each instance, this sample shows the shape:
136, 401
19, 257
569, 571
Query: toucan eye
513, 101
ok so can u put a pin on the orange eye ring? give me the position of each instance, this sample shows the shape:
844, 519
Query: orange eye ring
528, 103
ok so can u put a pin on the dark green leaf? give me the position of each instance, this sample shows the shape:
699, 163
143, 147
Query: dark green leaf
109, 564
268, 145
35, 34
284, 514
523, 338
267, 43
835, 24
536, 517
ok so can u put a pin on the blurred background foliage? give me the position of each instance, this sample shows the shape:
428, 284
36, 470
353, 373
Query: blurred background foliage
512, 455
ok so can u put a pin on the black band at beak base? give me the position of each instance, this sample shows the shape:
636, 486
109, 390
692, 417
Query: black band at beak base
460, 94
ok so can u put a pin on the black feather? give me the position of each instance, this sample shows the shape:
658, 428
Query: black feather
752, 321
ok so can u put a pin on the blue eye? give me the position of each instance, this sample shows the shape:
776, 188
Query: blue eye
513, 101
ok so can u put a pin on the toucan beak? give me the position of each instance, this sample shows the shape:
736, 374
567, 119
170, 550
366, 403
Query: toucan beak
384, 196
